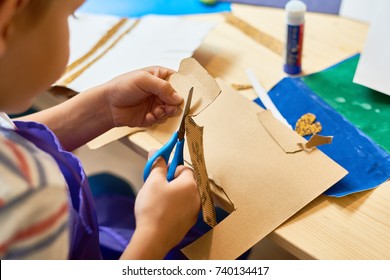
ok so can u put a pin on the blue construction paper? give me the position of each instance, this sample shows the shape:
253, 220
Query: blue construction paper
318, 6
367, 163
138, 8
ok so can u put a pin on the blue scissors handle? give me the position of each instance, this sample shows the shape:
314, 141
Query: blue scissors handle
165, 153
177, 140
177, 160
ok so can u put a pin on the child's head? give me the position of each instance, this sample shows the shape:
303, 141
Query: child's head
34, 48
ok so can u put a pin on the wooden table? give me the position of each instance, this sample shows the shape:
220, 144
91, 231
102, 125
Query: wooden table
352, 227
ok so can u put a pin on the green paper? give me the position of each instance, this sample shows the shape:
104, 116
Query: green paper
368, 109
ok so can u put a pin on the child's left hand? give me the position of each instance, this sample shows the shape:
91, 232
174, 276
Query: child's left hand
137, 99
142, 97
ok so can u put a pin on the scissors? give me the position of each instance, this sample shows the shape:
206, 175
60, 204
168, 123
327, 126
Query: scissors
177, 140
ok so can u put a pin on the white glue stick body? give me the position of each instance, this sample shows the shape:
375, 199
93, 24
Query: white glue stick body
295, 18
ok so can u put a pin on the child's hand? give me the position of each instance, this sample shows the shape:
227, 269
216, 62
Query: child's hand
142, 97
164, 211
136, 99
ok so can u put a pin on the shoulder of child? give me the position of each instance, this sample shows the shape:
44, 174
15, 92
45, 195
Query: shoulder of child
34, 213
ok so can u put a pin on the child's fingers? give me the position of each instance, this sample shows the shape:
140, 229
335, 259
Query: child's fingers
160, 114
161, 72
159, 167
184, 175
171, 110
161, 88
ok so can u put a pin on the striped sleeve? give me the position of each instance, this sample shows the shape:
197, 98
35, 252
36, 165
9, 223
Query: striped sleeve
34, 214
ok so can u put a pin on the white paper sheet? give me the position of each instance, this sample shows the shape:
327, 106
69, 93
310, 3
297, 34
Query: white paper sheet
373, 67
86, 30
361, 10
156, 40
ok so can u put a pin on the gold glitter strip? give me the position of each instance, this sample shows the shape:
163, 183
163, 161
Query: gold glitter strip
264, 39
111, 32
75, 75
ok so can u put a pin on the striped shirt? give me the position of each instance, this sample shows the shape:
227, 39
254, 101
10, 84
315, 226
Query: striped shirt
34, 215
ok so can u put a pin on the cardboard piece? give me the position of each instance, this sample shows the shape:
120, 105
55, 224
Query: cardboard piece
265, 184
204, 94
112, 135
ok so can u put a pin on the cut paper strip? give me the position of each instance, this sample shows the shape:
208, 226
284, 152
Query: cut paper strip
132, 8
268, 41
195, 147
315, 141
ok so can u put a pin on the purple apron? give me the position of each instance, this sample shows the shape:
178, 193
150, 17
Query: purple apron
103, 231
84, 243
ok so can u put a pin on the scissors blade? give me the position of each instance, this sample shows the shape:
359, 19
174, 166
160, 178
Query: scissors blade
182, 131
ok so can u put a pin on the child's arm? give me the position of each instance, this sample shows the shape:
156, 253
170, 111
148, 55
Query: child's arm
165, 212
137, 99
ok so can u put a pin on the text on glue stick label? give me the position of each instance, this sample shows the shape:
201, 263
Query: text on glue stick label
294, 46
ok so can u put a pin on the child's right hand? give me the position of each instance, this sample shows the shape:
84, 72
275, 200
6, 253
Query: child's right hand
164, 211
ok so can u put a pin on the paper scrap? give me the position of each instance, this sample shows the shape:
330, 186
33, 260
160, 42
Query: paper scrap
315, 141
112, 135
306, 125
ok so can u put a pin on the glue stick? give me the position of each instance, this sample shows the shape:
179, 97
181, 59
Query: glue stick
295, 18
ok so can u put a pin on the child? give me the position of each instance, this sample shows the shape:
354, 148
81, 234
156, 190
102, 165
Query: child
46, 209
